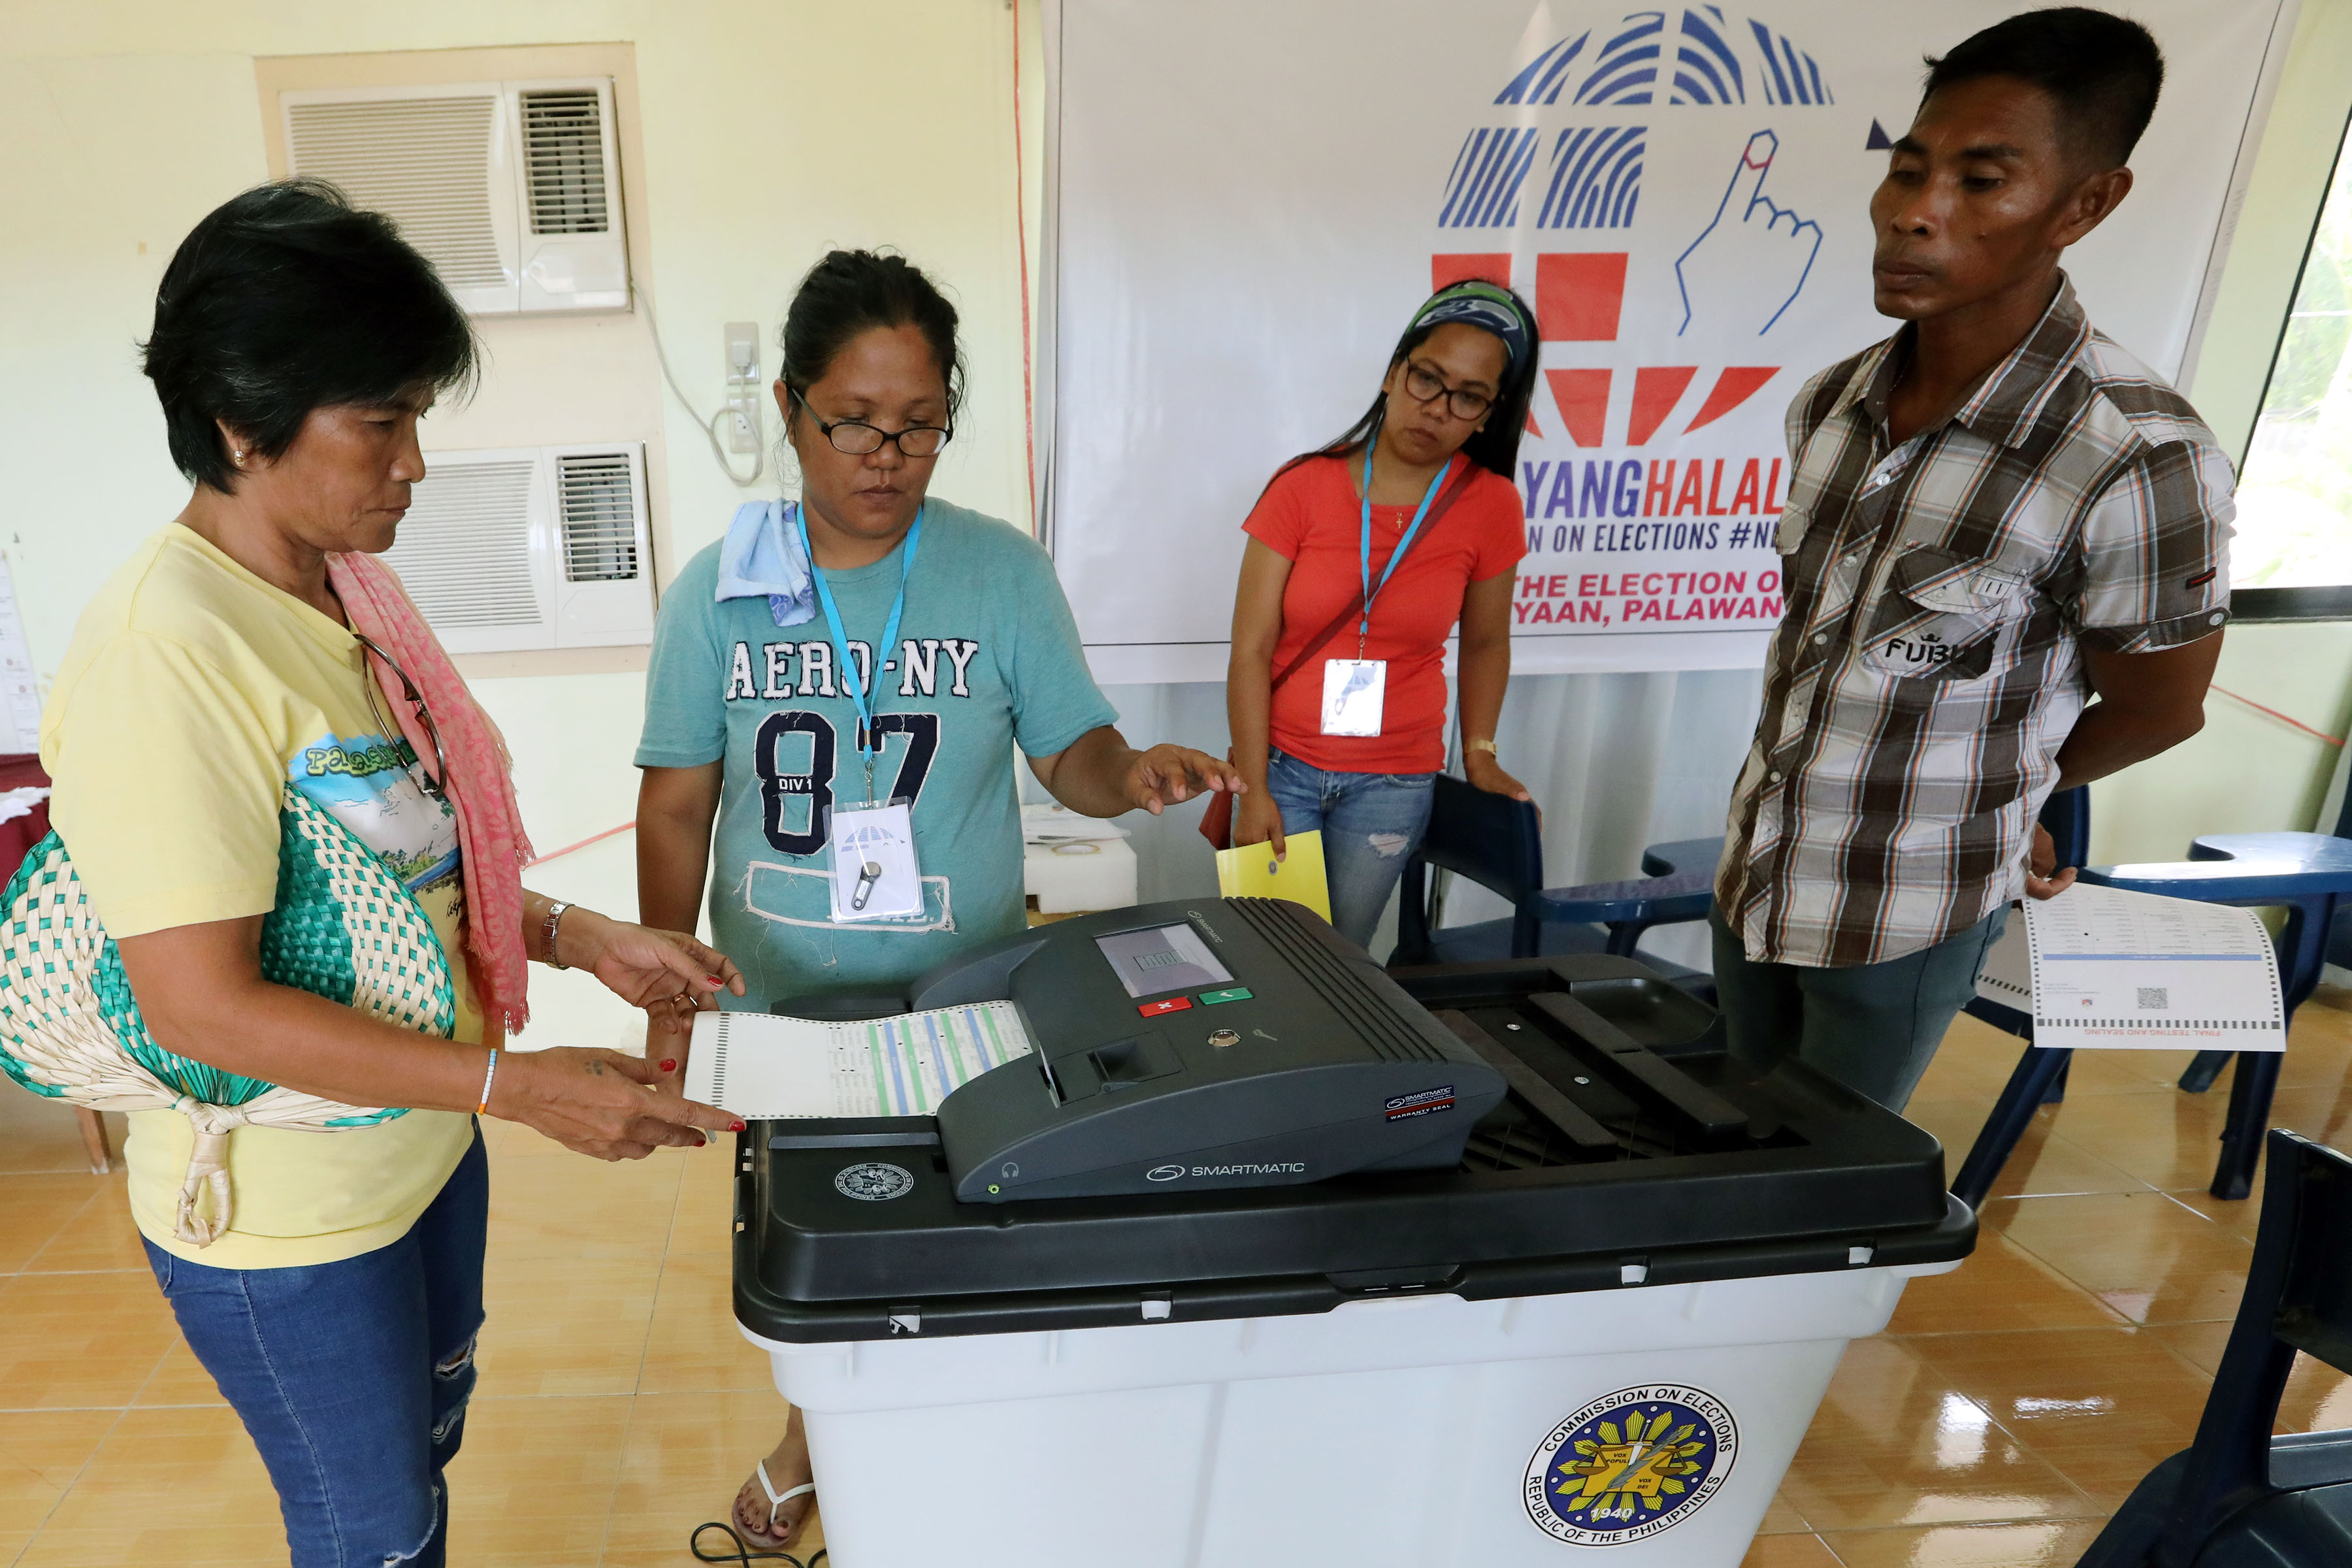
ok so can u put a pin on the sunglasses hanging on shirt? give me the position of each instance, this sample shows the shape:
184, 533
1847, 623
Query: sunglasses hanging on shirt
434, 782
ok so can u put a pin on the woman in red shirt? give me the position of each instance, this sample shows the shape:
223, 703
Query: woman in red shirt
1338, 705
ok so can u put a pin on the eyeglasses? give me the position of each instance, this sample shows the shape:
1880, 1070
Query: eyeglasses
859, 439
434, 783
1423, 385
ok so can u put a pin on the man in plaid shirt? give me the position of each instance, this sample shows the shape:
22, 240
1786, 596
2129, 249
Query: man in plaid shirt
2005, 551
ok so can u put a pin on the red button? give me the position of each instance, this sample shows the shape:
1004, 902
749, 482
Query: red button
1173, 1005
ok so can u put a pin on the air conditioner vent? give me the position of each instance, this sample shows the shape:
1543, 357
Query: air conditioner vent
563, 161
596, 500
422, 162
515, 548
464, 550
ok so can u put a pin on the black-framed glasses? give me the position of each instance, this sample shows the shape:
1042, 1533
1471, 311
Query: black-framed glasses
860, 439
434, 783
1423, 385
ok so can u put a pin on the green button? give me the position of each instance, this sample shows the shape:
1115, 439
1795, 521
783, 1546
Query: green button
1236, 993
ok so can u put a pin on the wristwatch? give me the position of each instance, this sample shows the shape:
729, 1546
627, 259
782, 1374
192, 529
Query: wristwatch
553, 924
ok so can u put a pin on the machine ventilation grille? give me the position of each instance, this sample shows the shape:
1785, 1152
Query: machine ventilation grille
1378, 1027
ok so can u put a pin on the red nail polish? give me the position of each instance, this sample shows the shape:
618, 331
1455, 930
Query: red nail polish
670, 1066
715, 981
736, 1127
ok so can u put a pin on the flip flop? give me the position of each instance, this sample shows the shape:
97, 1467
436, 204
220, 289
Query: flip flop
777, 1500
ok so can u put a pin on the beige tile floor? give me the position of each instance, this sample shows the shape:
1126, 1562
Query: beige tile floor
2006, 1412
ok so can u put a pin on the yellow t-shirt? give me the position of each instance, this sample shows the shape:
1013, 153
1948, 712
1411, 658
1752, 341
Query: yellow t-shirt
192, 693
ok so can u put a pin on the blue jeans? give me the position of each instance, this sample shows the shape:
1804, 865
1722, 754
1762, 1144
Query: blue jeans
352, 1377
1369, 823
1872, 1026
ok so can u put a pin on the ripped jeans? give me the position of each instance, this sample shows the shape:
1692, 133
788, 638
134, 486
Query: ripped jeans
352, 1377
1369, 823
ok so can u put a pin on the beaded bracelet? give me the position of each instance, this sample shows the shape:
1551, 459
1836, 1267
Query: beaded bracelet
487, 1078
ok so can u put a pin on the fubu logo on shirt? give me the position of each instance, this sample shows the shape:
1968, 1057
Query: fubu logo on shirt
798, 750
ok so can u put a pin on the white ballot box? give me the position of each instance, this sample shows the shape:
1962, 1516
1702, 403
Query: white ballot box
1608, 1326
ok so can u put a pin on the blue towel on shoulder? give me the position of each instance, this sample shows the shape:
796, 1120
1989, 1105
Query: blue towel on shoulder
762, 556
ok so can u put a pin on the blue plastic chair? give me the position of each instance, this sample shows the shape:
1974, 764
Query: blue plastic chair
1496, 842
2309, 874
2208, 1065
2238, 1497
2038, 1080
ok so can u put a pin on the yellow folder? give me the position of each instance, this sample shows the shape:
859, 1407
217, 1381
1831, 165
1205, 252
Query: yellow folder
1253, 872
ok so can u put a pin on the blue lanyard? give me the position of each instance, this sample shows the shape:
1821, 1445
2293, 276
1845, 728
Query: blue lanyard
850, 682
1364, 626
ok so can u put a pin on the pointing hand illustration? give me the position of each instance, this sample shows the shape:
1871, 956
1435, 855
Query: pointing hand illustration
1748, 266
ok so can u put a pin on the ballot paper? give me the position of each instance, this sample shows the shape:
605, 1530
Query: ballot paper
2106, 968
2006, 976
1251, 871
763, 1066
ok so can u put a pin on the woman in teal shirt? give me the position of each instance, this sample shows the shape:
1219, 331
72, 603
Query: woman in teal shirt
764, 686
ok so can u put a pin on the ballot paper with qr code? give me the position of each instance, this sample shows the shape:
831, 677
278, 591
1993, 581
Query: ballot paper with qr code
763, 1067
2101, 967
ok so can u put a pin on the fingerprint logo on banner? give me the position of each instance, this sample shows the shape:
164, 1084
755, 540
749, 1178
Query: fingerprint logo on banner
1593, 174
1549, 184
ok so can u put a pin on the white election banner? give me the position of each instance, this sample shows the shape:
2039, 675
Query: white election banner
1247, 200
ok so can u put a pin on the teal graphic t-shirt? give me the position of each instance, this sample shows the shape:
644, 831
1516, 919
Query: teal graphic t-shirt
987, 657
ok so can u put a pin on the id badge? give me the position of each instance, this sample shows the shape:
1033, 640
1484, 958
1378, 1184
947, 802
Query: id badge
875, 877
1353, 693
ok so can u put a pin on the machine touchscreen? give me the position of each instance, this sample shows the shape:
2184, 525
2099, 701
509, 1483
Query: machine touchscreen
1164, 958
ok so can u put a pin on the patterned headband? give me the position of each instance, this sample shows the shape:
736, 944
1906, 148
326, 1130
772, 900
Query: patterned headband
1486, 307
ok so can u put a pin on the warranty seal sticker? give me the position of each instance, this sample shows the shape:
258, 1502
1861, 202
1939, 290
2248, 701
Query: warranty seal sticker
1631, 1465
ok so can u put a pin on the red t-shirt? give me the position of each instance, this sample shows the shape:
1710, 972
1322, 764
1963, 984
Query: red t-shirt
1313, 518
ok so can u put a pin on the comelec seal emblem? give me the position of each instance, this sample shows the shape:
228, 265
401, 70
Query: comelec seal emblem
874, 1182
1631, 1465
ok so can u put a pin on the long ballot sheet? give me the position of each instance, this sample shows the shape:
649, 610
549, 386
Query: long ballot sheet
2099, 966
763, 1066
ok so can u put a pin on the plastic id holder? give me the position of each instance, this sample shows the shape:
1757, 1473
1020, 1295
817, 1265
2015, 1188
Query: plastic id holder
1354, 690
875, 876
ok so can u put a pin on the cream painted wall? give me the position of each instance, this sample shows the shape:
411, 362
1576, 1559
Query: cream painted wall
771, 133
2247, 773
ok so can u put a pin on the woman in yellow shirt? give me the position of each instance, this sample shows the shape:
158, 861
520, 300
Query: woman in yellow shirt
220, 678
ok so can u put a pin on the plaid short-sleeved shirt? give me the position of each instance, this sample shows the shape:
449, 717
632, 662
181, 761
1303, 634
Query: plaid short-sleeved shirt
1928, 667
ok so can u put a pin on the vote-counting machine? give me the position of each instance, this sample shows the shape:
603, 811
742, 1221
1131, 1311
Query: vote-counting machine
1235, 1110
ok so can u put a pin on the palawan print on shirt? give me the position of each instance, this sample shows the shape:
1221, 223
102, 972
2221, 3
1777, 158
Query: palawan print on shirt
369, 783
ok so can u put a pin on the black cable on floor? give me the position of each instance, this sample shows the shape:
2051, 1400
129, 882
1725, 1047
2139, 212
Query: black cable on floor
744, 1554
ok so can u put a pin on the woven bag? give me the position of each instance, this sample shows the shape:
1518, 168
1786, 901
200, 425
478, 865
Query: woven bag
344, 927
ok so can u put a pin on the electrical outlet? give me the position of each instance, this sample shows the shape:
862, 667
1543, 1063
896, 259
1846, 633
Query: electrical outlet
743, 389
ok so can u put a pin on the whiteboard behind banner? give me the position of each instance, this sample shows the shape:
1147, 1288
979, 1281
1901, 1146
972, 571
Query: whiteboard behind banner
1246, 202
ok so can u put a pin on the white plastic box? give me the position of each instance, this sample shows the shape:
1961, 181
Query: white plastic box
1405, 1432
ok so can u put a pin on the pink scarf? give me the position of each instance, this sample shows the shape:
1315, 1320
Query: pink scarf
480, 784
